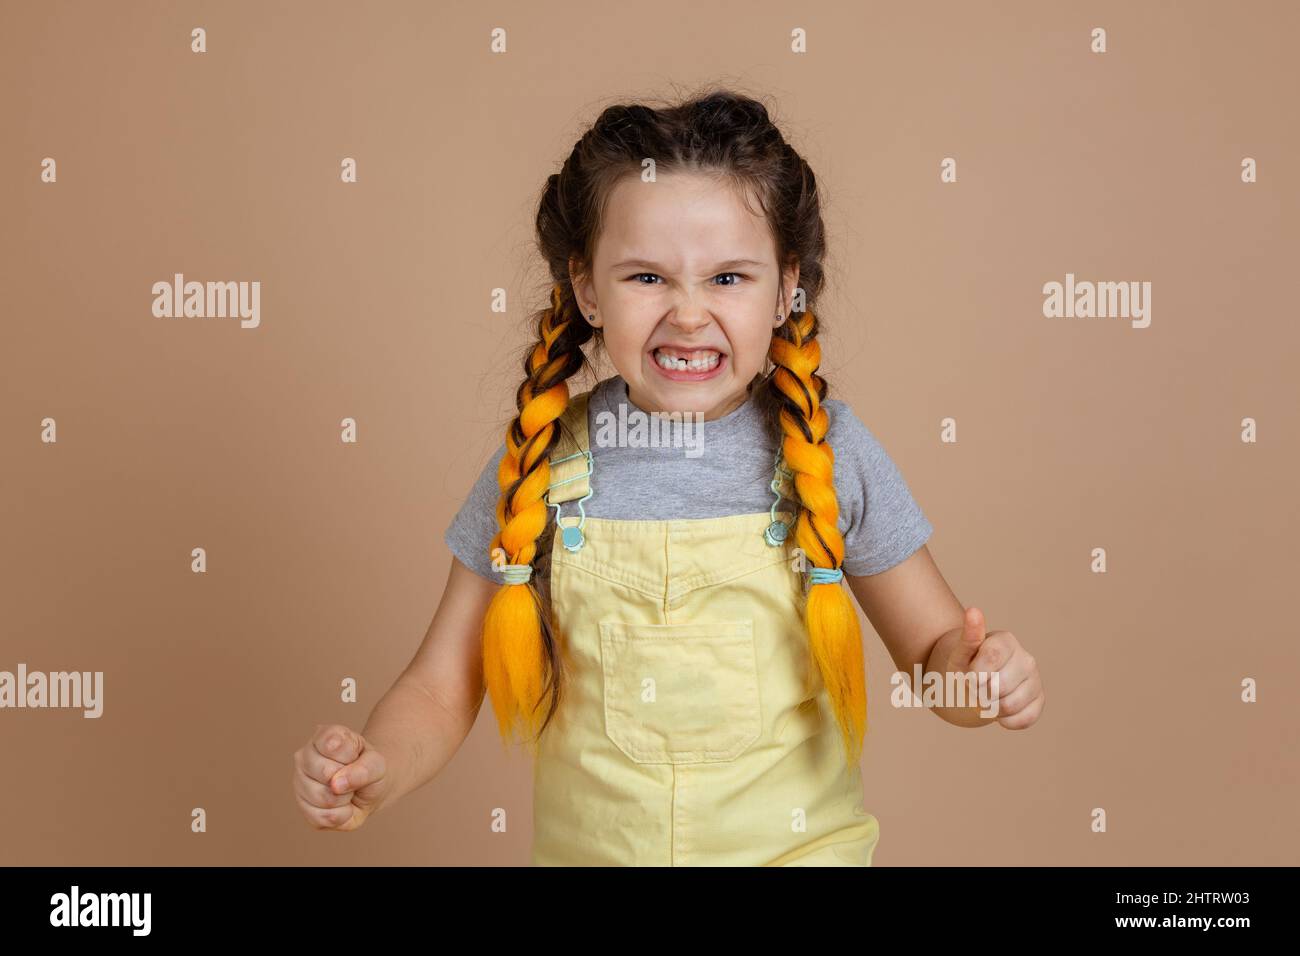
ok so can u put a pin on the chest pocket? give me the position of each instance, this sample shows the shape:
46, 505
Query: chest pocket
681, 693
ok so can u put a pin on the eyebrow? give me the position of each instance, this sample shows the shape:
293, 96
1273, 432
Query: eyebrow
720, 267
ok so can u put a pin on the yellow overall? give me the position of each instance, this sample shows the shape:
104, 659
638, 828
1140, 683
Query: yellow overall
694, 728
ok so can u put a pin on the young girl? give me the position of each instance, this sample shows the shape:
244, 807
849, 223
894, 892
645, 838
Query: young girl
664, 621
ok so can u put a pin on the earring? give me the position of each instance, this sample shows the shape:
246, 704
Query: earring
779, 318
591, 318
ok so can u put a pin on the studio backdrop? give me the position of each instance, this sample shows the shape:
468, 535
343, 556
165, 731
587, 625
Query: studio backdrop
225, 523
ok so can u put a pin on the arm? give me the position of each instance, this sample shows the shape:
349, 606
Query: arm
919, 619
430, 709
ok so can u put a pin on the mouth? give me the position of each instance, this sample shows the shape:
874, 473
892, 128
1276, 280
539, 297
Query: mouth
683, 365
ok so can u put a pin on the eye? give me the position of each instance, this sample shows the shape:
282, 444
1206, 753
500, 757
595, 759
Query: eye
639, 274
736, 274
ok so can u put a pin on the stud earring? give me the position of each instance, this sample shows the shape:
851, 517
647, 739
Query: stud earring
779, 318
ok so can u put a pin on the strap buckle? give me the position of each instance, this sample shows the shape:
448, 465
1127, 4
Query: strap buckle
776, 532
571, 535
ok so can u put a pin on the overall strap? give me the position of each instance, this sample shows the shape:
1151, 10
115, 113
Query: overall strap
570, 459
570, 465
783, 492
780, 529
783, 476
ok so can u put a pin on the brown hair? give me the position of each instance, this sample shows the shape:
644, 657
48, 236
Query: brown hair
721, 133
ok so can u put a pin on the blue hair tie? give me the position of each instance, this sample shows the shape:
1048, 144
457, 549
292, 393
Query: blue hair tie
516, 573
826, 575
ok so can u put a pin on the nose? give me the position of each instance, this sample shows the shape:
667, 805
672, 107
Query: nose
689, 318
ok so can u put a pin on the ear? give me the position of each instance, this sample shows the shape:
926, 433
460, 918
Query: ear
581, 283
789, 282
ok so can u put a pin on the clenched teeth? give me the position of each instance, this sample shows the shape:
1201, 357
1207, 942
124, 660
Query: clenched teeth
699, 361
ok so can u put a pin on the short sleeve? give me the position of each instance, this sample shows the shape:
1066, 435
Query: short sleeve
471, 531
881, 523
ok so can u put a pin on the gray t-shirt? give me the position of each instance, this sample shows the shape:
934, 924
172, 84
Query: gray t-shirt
728, 472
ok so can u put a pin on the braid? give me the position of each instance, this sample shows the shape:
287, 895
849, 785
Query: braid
832, 623
518, 638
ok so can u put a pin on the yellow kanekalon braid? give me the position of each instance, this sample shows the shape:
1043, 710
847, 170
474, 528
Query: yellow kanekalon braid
832, 622
513, 651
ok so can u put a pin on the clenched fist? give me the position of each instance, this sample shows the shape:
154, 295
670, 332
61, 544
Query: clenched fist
338, 779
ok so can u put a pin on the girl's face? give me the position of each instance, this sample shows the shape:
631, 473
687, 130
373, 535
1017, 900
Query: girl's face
684, 270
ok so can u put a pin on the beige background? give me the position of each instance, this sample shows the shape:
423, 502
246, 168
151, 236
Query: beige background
326, 560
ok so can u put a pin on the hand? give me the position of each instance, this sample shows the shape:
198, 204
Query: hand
1019, 687
338, 779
